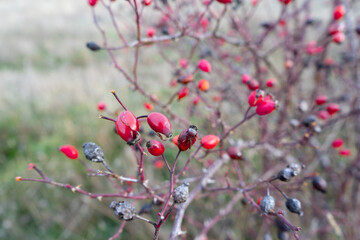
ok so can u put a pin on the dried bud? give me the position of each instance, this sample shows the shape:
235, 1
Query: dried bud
93, 46
123, 210
93, 152
286, 174
181, 193
267, 204
319, 184
294, 206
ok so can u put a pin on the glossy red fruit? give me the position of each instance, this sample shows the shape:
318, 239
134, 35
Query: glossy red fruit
345, 152
332, 108
187, 138
266, 106
285, 1
270, 83
339, 12
253, 84
150, 32
204, 65
101, 106
245, 78
148, 106
92, 2
204, 85
147, 2
234, 153
209, 141
224, 1
320, 100
259, 200
130, 136
155, 147
338, 142
183, 92
159, 123
183, 63
338, 37
324, 115
129, 119
69, 151
255, 98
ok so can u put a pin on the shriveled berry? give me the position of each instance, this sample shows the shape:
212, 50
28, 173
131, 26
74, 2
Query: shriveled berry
339, 12
332, 108
320, 100
203, 85
255, 98
123, 210
267, 204
285, 174
204, 65
338, 142
309, 121
234, 153
209, 141
70, 151
93, 152
183, 92
155, 147
101, 106
187, 138
319, 184
159, 123
186, 79
294, 205
93, 46
181, 193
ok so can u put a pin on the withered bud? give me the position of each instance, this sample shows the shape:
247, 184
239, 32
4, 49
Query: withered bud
93, 46
267, 204
181, 193
294, 206
319, 184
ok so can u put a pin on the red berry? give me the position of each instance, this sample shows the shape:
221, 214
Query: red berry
253, 84
234, 153
155, 147
130, 136
336, 28
266, 106
345, 152
204, 65
204, 85
159, 123
332, 108
339, 12
338, 37
148, 106
254, 2
259, 200
320, 100
224, 1
183, 92
92, 2
129, 119
147, 2
186, 79
255, 98
285, 1
312, 48
159, 164
204, 23
101, 106
270, 83
196, 100
150, 32
175, 139
183, 63
209, 141
324, 115
245, 78
69, 151
187, 138
338, 142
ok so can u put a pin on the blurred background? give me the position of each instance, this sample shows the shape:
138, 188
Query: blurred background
50, 85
